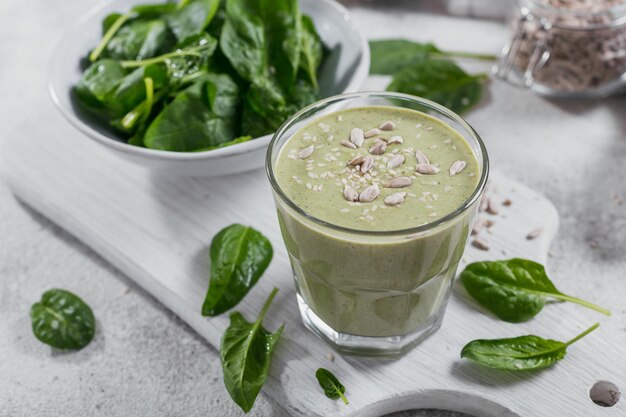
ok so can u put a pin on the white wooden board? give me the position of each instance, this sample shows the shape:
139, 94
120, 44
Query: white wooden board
156, 228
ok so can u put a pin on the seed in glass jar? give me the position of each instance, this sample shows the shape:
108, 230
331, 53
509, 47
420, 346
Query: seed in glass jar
371, 133
350, 193
378, 148
369, 194
399, 182
348, 144
388, 125
421, 158
356, 161
368, 164
356, 137
457, 167
395, 139
306, 152
395, 161
427, 169
394, 199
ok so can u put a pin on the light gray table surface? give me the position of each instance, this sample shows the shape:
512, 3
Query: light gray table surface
145, 361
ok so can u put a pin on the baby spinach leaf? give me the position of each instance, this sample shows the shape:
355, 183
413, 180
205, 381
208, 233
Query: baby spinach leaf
193, 119
98, 83
245, 353
312, 50
392, 55
283, 28
440, 81
62, 320
191, 18
131, 90
243, 40
239, 256
109, 20
331, 385
520, 353
515, 290
140, 39
153, 10
111, 24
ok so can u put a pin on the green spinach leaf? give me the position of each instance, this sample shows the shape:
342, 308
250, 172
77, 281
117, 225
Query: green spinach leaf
99, 82
392, 55
62, 320
443, 82
520, 353
243, 40
245, 352
140, 39
191, 18
283, 27
331, 385
515, 290
312, 50
194, 119
239, 256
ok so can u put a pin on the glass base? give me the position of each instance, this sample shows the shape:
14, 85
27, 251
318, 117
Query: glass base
365, 345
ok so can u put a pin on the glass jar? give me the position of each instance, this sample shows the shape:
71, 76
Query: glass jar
567, 48
346, 292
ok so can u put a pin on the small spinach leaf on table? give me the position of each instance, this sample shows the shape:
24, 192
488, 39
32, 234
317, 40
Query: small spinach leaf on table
515, 290
519, 353
245, 352
443, 82
239, 256
392, 55
63, 320
333, 389
191, 18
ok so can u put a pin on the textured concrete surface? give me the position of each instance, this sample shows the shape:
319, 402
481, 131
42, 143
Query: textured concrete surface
144, 361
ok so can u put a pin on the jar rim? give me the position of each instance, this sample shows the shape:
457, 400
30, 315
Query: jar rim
616, 13
462, 208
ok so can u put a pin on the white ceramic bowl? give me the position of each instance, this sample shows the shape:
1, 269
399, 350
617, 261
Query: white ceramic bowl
344, 70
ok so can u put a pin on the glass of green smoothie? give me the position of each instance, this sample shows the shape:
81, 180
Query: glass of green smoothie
375, 194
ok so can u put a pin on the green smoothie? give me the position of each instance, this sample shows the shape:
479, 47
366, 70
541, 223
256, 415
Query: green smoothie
375, 169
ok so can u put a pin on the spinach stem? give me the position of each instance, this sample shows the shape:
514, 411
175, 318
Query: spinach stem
149, 97
158, 59
129, 120
581, 302
583, 334
119, 22
343, 397
266, 306
461, 55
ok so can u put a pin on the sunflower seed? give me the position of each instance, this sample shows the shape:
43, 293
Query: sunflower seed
507, 202
306, 152
350, 193
378, 148
421, 158
457, 167
348, 144
399, 182
395, 139
491, 207
394, 199
426, 169
480, 244
534, 234
369, 194
395, 161
356, 137
371, 133
388, 125
368, 164
356, 161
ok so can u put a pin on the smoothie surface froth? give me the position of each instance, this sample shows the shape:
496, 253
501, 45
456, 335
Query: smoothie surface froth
377, 168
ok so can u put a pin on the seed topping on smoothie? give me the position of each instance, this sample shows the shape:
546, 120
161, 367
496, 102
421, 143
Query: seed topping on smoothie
358, 168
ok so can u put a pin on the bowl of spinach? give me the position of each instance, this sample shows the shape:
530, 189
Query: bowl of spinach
197, 87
